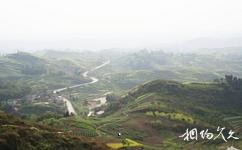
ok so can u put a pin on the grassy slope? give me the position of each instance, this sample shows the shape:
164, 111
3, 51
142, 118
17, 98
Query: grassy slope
157, 112
22, 135
41, 75
39, 71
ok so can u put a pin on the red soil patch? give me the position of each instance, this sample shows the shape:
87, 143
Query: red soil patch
141, 123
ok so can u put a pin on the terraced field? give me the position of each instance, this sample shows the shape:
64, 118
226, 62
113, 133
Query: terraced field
235, 122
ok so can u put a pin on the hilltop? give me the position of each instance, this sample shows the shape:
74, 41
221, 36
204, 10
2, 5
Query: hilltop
40, 72
157, 112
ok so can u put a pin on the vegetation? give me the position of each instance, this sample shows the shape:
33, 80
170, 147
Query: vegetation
21, 135
152, 98
127, 143
232, 81
164, 109
12, 90
39, 72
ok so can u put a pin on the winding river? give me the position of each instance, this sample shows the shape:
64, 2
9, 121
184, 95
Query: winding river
68, 105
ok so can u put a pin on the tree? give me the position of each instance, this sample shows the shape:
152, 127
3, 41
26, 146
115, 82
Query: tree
229, 79
234, 82
12, 90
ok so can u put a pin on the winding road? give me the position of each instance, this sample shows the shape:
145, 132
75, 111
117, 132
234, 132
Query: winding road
70, 109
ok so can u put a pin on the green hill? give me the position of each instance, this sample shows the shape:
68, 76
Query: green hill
158, 112
27, 80
40, 71
131, 69
25, 135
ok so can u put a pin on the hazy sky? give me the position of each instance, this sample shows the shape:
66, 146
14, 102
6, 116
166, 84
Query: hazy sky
94, 24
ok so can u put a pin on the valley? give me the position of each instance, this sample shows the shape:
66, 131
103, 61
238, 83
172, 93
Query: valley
68, 105
120, 75
137, 100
